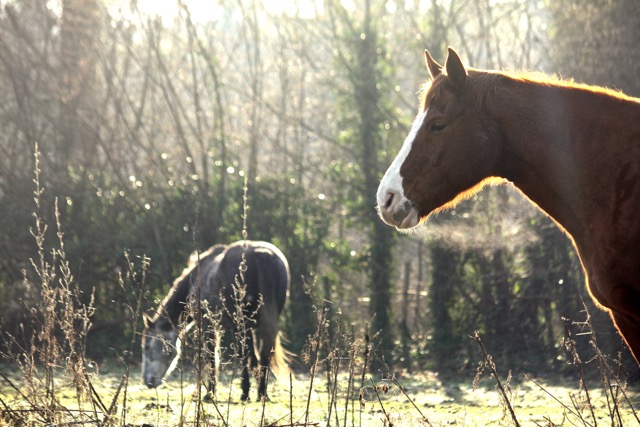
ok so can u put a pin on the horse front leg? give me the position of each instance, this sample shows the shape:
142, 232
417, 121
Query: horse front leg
214, 360
629, 329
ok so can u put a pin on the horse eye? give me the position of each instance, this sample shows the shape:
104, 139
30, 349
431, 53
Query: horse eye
437, 127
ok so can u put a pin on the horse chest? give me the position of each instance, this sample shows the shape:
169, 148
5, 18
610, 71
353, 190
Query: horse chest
612, 262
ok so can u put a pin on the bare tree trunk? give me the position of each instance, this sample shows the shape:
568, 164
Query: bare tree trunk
79, 33
252, 45
368, 98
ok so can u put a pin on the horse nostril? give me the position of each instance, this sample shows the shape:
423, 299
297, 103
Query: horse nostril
390, 196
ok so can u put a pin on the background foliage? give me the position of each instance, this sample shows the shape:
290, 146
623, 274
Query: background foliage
150, 123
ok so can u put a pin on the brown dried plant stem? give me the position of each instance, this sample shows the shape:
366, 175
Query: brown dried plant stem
316, 344
570, 345
488, 362
567, 408
353, 350
606, 375
367, 354
131, 278
404, 392
384, 411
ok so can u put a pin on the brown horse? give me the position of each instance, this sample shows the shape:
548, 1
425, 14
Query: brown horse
572, 149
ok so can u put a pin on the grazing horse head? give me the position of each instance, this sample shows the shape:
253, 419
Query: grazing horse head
160, 348
450, 150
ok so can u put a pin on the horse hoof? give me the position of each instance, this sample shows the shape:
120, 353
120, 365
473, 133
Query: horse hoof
208, 398
244, 398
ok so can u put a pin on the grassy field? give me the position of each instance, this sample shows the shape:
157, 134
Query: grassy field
411, 400
46, 380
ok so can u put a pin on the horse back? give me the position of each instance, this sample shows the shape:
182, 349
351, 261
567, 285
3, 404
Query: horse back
262, 268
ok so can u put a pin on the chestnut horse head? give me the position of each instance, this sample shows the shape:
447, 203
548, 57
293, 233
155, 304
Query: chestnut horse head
450, 150
572, 149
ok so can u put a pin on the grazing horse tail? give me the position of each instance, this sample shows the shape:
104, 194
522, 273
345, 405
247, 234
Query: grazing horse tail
279, 358
273, 280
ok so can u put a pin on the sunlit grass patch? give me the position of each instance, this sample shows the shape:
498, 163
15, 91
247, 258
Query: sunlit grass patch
441, 403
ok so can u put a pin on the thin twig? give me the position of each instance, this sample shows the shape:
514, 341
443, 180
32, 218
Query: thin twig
290, 398
352, 353
367, 352
375, 389
114, 401
264, 398
397, 384
217, 408
557, 400
314, 366
570, 345
488, 361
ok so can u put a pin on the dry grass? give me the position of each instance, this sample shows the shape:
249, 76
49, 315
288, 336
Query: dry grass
421, 400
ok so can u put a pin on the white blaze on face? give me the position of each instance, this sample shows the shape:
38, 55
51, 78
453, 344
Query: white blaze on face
391, 183
159, 356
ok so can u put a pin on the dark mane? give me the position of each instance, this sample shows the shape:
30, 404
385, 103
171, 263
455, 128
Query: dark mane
170, 308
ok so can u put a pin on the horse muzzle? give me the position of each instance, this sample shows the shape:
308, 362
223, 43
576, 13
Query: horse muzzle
397, 210
152, 382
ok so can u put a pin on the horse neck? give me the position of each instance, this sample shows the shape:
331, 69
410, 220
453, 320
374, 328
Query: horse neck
174, 303
553, 138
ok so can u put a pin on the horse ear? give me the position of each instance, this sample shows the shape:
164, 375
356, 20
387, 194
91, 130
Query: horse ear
455, 70
434, 68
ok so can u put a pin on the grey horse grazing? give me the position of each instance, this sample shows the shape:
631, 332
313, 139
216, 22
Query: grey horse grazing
212, 278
